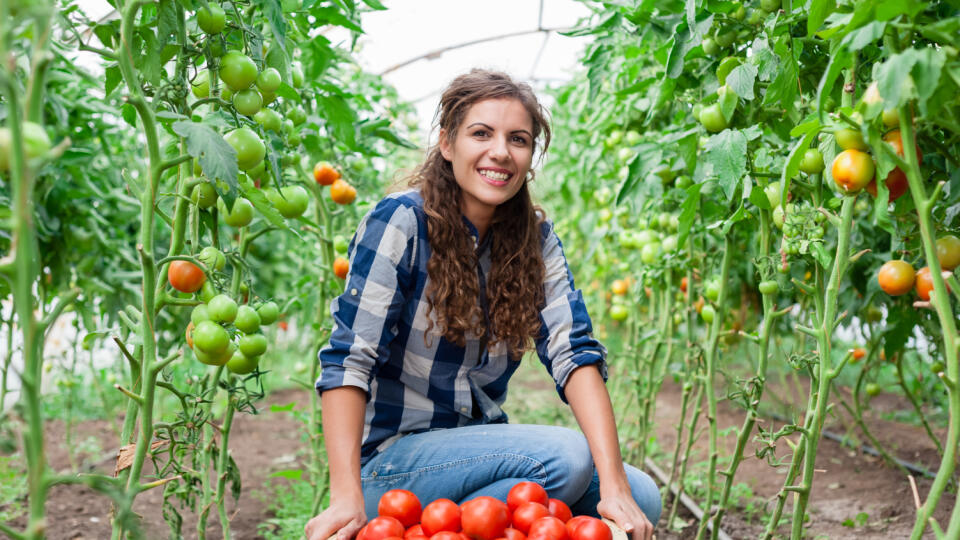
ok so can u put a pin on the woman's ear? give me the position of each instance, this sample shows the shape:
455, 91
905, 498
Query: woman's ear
444, 143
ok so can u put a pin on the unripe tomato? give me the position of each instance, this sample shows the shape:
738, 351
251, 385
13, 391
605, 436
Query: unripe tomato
324, 173
890, 117
340, 244
341, 192
269, 312
36, 142
712, 118
896, 277
247, 102
242, 364
712, 290
650, 253
269, 80
710, 47
812, 162
269, 119
240, 215
296, 75
222, 308
852, 170
726, 66
218, 359
297, 115
207, 292
725, 37
769, 287
204, 195
708, 313
212, 258
619, 312
632, 138
770, 5
778, 217
200, 87
340, 267
253, 344
774, 194
199, 313
873, 389
290, 201
850, 139
937, 367
948, 251
210, 337
211, 18
249, 147
185, 276
237, 71
247, 320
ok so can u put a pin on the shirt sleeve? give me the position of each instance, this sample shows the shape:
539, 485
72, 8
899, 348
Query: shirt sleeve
566, 338
365, 316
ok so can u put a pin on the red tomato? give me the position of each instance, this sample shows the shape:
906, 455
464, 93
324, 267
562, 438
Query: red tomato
559, 509
381, 528
414, 530
526, 492
416, 537
550, 527
513, 534
592, 529
527, 513
440, 515
446, 535
401, 504
575, 522
484, 518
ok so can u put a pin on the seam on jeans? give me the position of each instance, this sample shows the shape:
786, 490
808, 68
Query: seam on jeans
540, 473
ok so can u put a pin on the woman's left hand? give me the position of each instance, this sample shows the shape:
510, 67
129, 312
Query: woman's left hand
623, 510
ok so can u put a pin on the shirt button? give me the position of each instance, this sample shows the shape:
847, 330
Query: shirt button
464, 409
353, 292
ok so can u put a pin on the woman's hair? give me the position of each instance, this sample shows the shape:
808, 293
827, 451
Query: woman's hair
514, 288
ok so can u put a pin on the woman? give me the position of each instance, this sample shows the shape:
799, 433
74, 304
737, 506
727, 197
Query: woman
449, 284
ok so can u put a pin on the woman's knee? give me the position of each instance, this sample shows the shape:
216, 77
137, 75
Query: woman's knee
570, 468
645, 493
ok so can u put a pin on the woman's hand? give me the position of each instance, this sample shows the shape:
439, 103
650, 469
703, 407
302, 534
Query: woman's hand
342, 520
623, 510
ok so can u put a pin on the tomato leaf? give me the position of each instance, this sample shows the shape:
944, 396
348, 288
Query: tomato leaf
274, 14
819, 9
217, 158
341, 119
792, 167
863, 36
726, 153
839, 60
648, 157
684, 41
290, 474
260, 202
688, 213
113, 78
166, 20
741, 80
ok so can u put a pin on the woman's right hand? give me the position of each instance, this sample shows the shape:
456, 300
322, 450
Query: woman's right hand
342, 520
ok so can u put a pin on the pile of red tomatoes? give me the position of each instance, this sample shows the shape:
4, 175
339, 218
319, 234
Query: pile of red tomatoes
528, 514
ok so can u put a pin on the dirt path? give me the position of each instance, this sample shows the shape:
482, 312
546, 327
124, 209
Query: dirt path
847, 484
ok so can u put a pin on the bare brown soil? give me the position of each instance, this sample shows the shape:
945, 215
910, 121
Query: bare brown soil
848, 482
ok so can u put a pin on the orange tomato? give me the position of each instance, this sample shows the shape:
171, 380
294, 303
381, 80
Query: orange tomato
189, 334
925, 283
896, 277
340, 267
619, 287
852, 170
896, 180
683, 284
859, 353
325, 174
341, 192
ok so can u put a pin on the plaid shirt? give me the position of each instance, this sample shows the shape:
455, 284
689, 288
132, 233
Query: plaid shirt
415, 385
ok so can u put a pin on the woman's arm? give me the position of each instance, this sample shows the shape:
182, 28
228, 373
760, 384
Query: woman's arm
588, 397
343, 410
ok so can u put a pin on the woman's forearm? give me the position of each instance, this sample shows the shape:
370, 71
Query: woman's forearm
588, 397
343, 410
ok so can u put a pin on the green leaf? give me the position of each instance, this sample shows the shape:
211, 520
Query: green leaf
783, 89
149, 62
375, 4
166, 20
726, 153
332, 15
288, 92
823, 258
341, 119
217, 158
688, 213
741, 80
683, 42
839, 60
105, 33
290, 474
792, 167
261, 203
278, 59
863, 36
274, 14
284, 408
113, 78
648, 157
819, 9
129, 114
597, 67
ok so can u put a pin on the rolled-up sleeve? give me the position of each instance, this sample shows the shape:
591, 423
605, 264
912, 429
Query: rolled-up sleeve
566, 338
365, 316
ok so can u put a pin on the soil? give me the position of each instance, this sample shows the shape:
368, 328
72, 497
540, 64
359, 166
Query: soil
847, 482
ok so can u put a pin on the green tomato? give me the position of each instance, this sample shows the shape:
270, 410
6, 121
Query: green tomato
812, 162
725, 37
849, 139
216, 359
632, 138
240, 215
773, 193
683, 181
708, 314
712, 290
201, 85
340, 243
207, 291
253, 344
237, 70
268, 97
291, 201
890, 118
740, 13
948, 252
614, 138
204, 195
222, 308
650, 253
670, 244
247, 102
873, 389
211, 18
712, 118
619, 312
937, 367
249, 147
258, 171
710, 47
269, 312
296, 75
769, 287
269, 80
293, 139
770, 5
269, 119
726, 66
199, 314
212, 258
296, 115
778, 217
242, 364
210, 337
247, 321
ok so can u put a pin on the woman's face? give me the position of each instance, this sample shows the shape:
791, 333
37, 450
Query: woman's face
491, 155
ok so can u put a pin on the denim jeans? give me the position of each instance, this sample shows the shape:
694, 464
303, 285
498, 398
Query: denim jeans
466, 462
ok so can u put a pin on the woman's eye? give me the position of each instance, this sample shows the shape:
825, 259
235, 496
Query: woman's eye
480, 133
520, 140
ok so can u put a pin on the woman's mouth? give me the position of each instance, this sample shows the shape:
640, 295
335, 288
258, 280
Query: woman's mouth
495, 177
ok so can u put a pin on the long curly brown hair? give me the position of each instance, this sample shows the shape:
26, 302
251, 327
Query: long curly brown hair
514, 288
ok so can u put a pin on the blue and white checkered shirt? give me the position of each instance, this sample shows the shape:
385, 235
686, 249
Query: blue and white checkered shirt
415, 385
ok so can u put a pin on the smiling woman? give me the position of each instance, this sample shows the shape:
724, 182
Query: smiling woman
450, 283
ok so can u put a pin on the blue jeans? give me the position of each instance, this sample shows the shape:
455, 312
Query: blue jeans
466, 462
